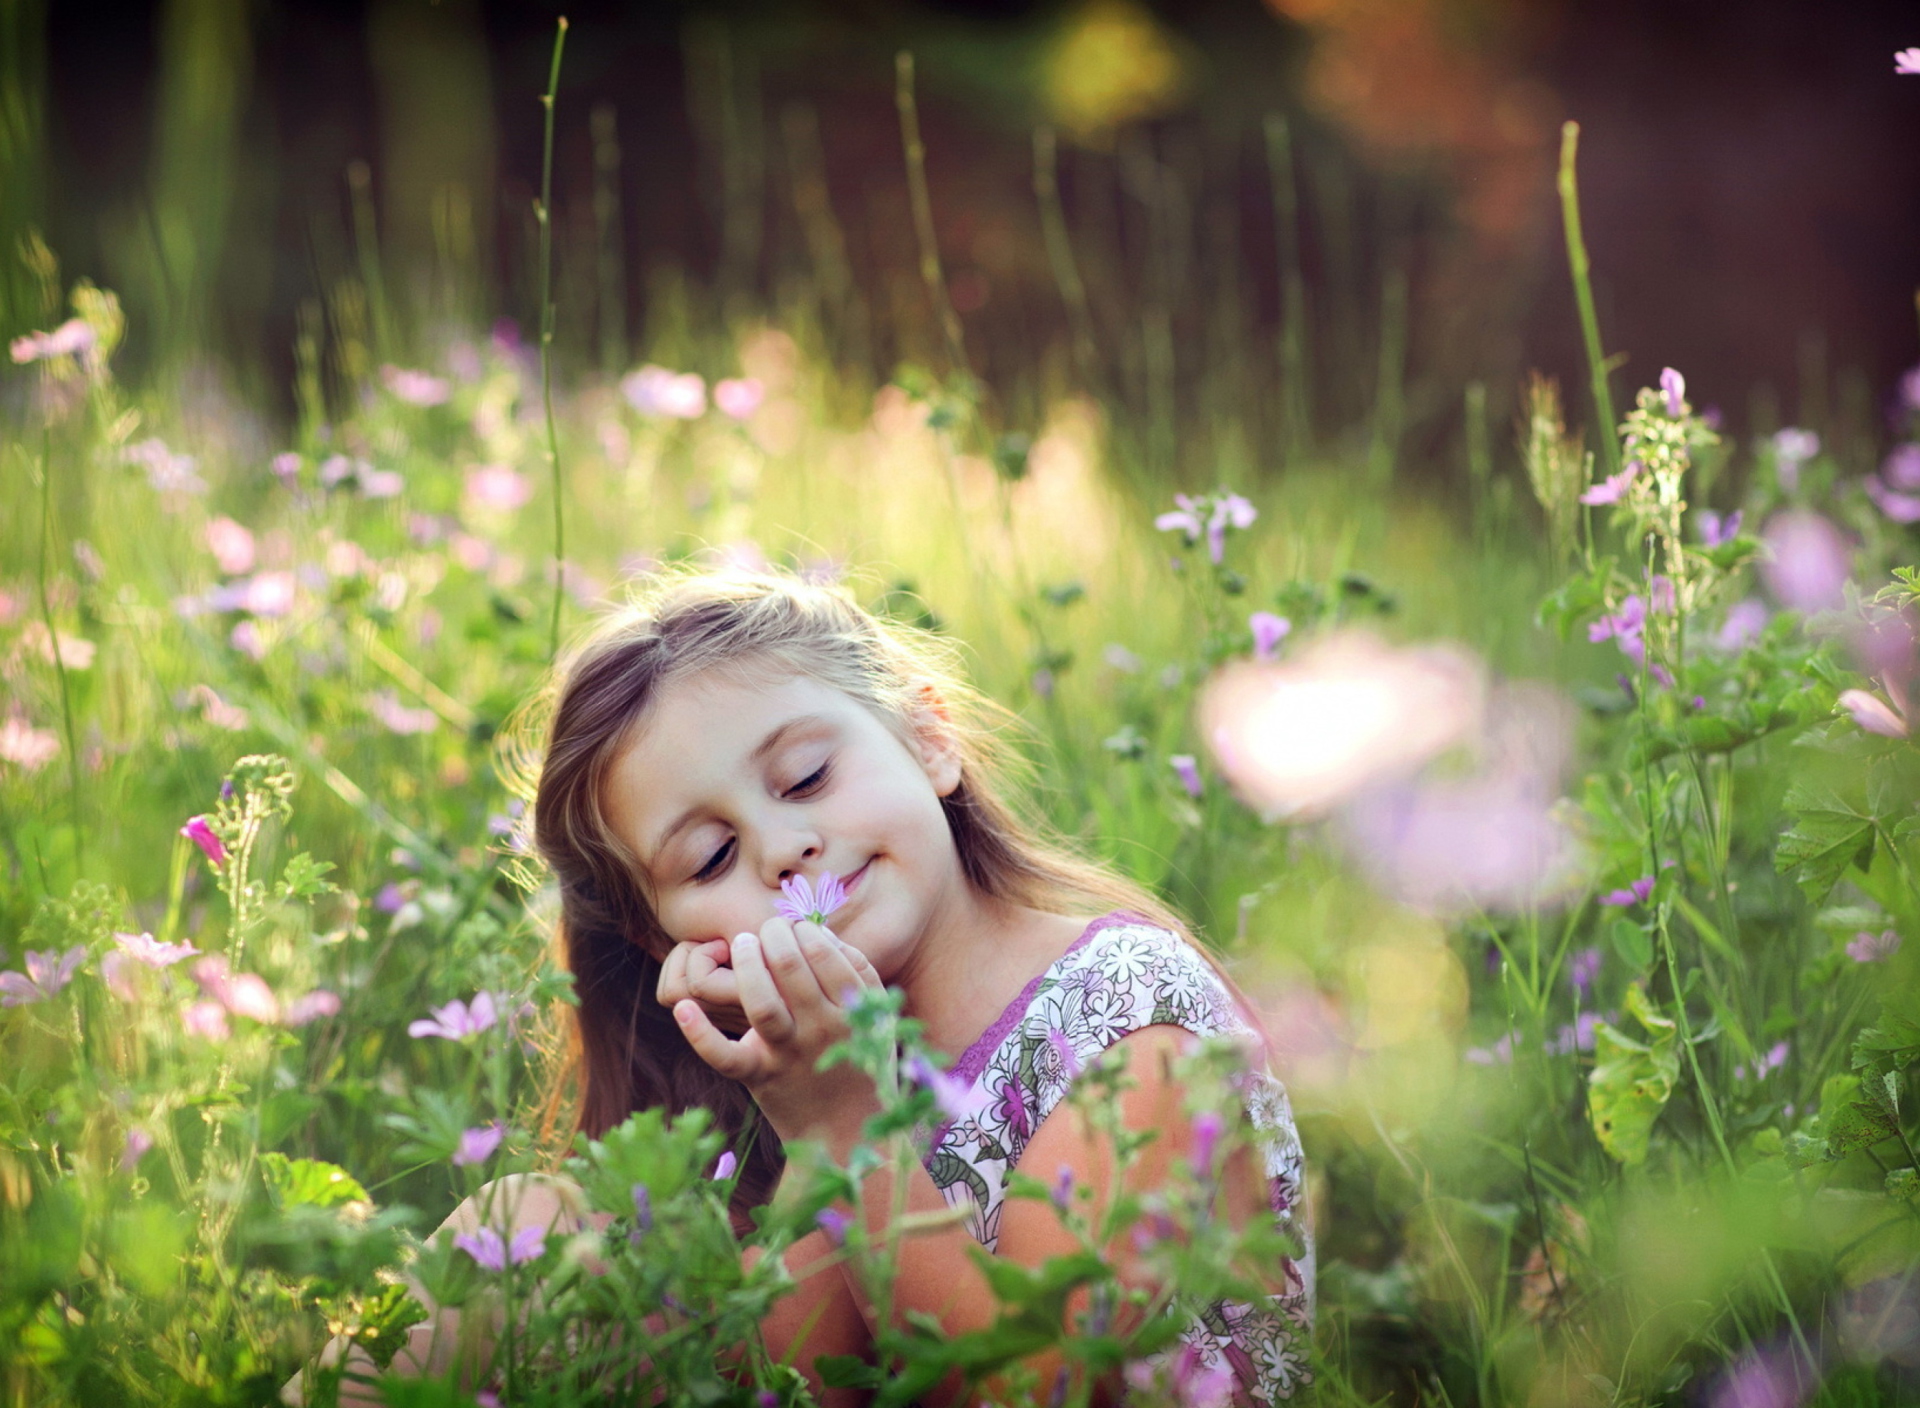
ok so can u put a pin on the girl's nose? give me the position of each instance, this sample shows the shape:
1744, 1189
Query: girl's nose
793, 853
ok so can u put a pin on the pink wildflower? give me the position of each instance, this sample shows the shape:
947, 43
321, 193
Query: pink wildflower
206, 1018
1869, 947
738, 397
198, 831
231, 544
47, 972
458, 1020
1636, 893
137, 1144
1906, 61
1268, 631
1809, 561
813, 901
724, 1168
1610, 489
68, 340
25, 746
1673, 386
1873, 714
658, 391
153, 953
398, 718
486, 1247
498, 487
477, 1145
415, 388
1187, 768
310, 1007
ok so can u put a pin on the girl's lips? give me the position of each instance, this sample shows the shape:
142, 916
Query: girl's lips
854, 879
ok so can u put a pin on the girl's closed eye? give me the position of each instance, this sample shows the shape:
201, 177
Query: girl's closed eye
811, 783
715, 862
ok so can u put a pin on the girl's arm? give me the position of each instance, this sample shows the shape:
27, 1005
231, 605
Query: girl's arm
937, 1274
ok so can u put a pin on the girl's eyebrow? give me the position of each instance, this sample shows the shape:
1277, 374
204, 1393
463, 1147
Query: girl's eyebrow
767, 745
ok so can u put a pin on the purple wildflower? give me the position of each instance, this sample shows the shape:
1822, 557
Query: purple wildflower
1745, 620
1208, 1126
47, 972
1499, 1054
1188, 770
1716, 531
949, 1092
1575, 1036
1229, 511
1268, 631
477, 1145
834, 1223
1184, 519
486, 1247
1893, 488
1636, 893
1907, 61
1873, 713
1809, 561
310, 1007
135, 1149
1869, 947
152, 952
1792, 448
69, 339
642, 1210
1673, 386
813, 901
1063, 1188
390, 899
458, 1020
201, 834
1613, 487
1584, 969
724, 1167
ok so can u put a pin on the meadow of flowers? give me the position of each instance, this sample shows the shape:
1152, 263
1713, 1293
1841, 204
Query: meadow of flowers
1562, 826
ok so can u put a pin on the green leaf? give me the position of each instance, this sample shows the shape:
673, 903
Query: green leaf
1829, 835
305, 877
1849, 1122
309, 1183
1632, 1081
1633, 945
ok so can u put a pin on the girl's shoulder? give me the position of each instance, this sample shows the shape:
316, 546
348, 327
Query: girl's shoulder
1160, 977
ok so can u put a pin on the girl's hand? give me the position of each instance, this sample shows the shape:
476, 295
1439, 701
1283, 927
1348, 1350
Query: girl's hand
701, 972
795, 982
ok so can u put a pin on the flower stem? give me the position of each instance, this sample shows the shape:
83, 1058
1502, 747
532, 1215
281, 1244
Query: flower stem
544, 213
1583, 295
53, 643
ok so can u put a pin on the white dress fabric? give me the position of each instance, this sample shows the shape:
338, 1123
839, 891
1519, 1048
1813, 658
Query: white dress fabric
1122, 974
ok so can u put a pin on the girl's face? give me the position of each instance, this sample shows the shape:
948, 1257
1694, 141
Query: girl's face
735, 781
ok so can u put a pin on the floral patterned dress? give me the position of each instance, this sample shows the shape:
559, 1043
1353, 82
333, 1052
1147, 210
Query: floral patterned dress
1125, 973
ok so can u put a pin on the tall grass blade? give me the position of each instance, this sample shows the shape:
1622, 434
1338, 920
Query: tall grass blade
1583, 296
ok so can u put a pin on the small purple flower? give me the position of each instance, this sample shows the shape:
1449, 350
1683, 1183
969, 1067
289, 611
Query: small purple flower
1809, 561
1499, 1054
1873, 713
1576, 1036
390, 899
1769, 1061
1268, 631
1188, 770
1792, 448
1613, 487
1185, 519
834, 1223
486, 1247
1229, 511
198, 831
1885, 491
310, 1007
458, 1020
1869, 947
1584, 968
1673, 386
949, 1092
812, 901
1745, 620
1063, 1188
47, 972
135, 1149
767, 1397
152, 952
724, 1168
1208, 1126
1907, 61
642, 1210
1636, 893
1716, 531
477, 1145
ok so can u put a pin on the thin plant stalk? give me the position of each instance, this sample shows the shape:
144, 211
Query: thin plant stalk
53, 642
1294, 393
931, 273
1581, 270
1066, 269
544, 213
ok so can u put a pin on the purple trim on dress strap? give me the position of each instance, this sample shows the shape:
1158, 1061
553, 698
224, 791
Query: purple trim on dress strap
973, 1061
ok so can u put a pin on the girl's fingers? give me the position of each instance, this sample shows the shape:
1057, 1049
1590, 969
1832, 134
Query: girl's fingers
732, 1059
789, 965
829, 958
760, 996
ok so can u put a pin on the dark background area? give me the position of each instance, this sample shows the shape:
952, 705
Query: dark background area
1748, 172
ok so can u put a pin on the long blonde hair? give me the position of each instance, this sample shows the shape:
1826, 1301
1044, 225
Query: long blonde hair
624, 1051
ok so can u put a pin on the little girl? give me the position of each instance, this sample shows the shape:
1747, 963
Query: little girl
732, 732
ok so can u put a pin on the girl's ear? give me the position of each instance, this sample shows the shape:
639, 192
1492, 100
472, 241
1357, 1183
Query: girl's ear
935, 741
